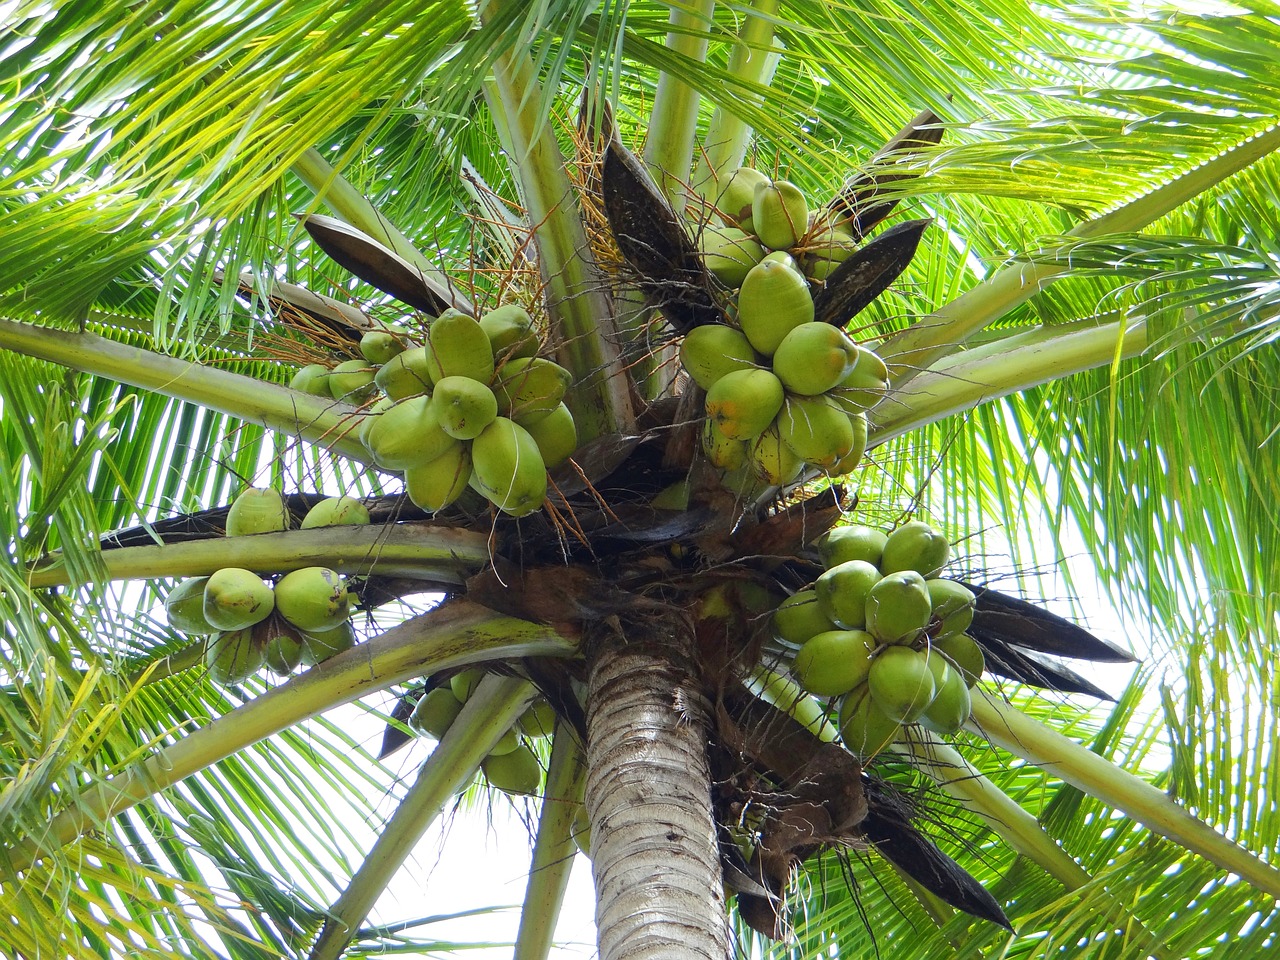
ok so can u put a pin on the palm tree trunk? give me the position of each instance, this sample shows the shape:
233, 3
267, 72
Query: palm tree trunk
659, 887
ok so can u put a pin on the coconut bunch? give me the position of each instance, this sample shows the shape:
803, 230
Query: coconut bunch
511, 766
303, 617
880, 630
473, 406
784, 390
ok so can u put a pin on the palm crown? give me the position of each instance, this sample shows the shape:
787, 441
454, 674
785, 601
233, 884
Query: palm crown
199, 202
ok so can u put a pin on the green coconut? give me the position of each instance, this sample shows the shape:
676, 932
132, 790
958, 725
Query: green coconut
865, 729
517, 772
233, 657
832, 663
851, 542
435, 712
319, 645
236, 599
902, 683
842, 592
965, 655
184, 607
336, 512
898, 607
800, 617
313, 599
257, 510
916, 546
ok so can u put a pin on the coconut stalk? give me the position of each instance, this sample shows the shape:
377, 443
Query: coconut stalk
1010, 729
330, 423
456, 634
409, 550
1008, 365
554, 850
673, 122
751, 62
923, 344
580, 310
492, 708
654, 853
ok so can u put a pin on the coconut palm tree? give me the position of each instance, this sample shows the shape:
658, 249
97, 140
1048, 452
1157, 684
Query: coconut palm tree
1058, 241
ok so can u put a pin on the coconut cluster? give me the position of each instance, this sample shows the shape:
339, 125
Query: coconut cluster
783, 390
883, 632
303, 617
511, 766
473, 406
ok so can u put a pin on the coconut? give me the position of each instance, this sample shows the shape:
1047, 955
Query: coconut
313, 599
336, 512
352, 381
743, 403
407, 435
832, 663
313, 379
866, 729
319, 645
898, 607
435, 712
510, 331
901, 683
464, 406
729, 253
257, 510
842, 592
722, 451
184, 607
530, 388
951, 704
435, 485
233, 657
916, 546
814, 358
710, 351
282, 643
539, 720
772, 460
965, 655
816, 431
779, 213
800, 617
235, 599
405, 375
464, 683
379, 346
507, 468
852, 542
517, 772
953, 606
556, 436
774, 300
457, 346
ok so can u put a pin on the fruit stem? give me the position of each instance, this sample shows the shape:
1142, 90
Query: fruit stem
1008, 728
943, 332
554, 849
490, 710
996, 369
582, 322
455, 634
751, 62
440, 554
668, 151
318, 419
